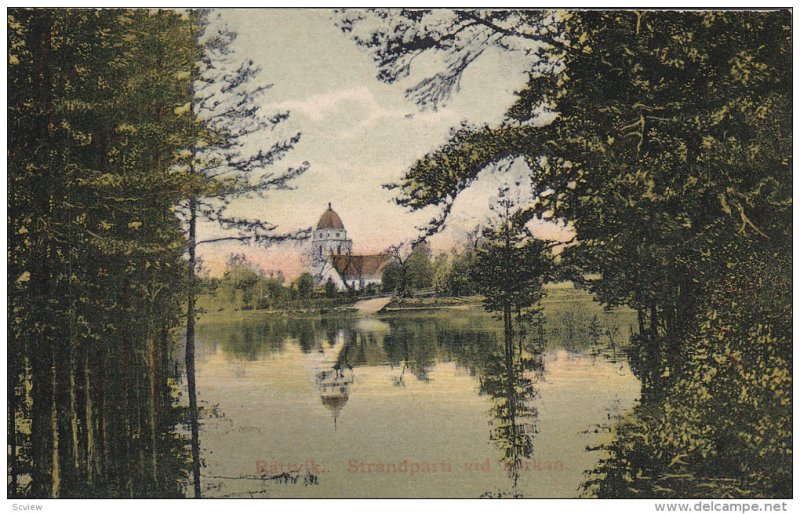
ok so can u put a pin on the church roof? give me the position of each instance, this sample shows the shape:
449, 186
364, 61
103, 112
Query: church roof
330, 219
356, 266
335, 403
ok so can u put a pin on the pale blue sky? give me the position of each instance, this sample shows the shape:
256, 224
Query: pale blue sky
358, 133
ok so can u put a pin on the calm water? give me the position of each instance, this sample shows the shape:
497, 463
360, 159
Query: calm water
404, 405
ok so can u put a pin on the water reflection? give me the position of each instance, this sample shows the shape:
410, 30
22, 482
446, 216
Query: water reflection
412, 347
334, 388
384, 385
509, 377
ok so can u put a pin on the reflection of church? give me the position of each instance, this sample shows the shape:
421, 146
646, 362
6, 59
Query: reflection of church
333, 372
332, 258
334, 386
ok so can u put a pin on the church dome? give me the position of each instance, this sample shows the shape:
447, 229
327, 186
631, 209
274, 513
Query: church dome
330, 219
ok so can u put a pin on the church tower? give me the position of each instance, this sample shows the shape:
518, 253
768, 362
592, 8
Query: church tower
330, 238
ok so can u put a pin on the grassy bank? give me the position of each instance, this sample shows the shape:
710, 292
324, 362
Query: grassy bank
216, 307
563, 302
434, 302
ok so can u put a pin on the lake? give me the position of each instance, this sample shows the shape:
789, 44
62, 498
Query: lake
431, 404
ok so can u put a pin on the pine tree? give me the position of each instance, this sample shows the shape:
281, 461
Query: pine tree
96, 265
510, 265
225, 101
663, 139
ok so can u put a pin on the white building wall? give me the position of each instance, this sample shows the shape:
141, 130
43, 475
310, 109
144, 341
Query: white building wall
327, 271
326, 243
362, 283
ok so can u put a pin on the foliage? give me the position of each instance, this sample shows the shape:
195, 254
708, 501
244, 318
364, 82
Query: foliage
240, 279
460, 281
228, 149
244, 286
420, 267
663, 139
396, 37
725, 429
442, 270
305, 285
509, 269
408, 270
330, 289
95, 155
225, 102
510, 266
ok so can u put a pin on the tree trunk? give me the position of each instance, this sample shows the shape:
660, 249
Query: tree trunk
55, 470
151, 400
508, 330
41, 442
104, 470
77, 459
11, 392
655, 350
654, 325
640, 319
124, 467
190, 372
40, 283
91, 452
540, 327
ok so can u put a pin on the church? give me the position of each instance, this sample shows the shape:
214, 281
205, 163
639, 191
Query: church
332, 257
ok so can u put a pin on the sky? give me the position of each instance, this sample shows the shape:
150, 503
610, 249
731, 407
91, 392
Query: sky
357, 134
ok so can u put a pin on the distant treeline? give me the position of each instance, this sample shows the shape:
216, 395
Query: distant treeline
445, 274
245, 286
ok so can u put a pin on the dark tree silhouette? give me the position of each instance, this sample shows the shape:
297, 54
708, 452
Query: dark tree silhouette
229, 167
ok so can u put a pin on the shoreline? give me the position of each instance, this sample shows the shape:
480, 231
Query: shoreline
561, 295
454, 303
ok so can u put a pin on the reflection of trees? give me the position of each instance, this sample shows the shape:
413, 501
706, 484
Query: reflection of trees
307, 334
411, 345
331, 329
353, 353
243, 340
416, 342
468, 348
253, 339
508, 378
599, 335
506, 372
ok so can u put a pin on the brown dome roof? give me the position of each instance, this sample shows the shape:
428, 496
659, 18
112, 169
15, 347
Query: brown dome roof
330, 219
